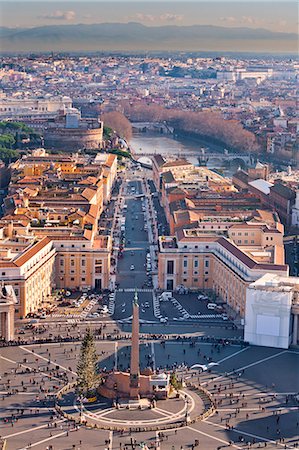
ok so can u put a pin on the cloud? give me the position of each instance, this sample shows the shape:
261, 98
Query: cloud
166, 17
229, 19
59, 15
251, 21
169, 17
145, 17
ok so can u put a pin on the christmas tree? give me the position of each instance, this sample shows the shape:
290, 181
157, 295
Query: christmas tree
87, 377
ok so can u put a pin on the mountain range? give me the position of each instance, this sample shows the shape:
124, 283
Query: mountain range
134, 36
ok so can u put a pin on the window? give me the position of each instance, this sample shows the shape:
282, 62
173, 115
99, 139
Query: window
170, 267
73, 245
185, 279
3, 273
246, 241
72, 262
206, 263
185, 273
83, 279
246, 234
16, 291
62, 262
195, 272
61, 245
98, 262
195, 280
83, 262
195, 263
72, 279
98, 269
185, 263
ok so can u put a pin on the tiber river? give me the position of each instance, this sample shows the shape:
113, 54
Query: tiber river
152, 142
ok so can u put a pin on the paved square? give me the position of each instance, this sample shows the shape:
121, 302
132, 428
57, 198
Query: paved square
254, 389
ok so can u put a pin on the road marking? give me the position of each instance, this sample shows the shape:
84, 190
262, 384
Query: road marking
231, 356
110, 440
44, 440
213, 437
45, 359
153, 355
115, 355
245, 367
248, 434
30, 430
30, 368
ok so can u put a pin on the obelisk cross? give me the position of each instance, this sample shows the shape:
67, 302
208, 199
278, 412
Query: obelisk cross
134, 367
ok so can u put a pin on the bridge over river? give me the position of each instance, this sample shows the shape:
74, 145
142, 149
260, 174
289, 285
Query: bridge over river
197, 154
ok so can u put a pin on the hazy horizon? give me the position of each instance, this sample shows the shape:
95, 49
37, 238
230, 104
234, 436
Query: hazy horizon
275, 17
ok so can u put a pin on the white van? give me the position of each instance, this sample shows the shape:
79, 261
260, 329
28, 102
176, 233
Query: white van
211, 306
166, 295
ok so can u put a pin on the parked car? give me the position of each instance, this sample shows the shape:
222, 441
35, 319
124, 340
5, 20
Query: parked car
211, 306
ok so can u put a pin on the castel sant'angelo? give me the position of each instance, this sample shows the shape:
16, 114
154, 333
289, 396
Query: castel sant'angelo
68, 131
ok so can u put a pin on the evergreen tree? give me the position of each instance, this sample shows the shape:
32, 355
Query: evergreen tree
87, 377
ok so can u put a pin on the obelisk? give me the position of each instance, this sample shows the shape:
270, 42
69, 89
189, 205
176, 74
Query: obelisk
134, 366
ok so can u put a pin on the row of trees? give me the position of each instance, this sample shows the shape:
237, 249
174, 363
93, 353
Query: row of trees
207, 124
118, 122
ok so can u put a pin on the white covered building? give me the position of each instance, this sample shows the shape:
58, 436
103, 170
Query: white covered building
272, 309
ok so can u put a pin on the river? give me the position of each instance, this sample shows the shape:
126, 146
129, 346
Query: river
151, 142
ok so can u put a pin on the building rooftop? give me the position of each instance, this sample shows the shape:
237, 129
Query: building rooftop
261, 185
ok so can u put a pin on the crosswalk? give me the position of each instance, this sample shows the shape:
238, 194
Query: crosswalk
156, 303
57, 315
205, 316
111, 305
88, 308
133, 290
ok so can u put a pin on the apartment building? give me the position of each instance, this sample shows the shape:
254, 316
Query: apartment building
37, 260
82, 263
201, 260
160, 165
275, 196
28, 266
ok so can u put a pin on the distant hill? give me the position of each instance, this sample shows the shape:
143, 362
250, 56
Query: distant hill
135, 36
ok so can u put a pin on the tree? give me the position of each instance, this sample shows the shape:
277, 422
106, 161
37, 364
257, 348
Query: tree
7, 154
119, 123
7, 141
87, 377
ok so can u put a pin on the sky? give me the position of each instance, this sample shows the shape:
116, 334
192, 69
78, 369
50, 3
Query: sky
275, 15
